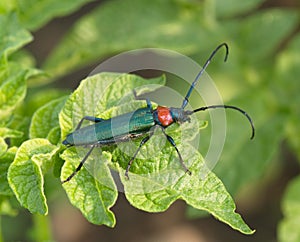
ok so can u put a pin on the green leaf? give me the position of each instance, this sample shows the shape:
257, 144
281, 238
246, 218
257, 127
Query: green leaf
22, 115
292, 128
5, 207
24, 58
97, 96
286, 88
25, 174
168, 23
6, 6
156, 176
194, 213
289, 227
3, 146
7, 133
187, 132
57, 163
239, 151
93, 191
54, 135
98, 93
20, 123
36, 99
234, 7
5, 161
155, 192
35, 13
13, 87
45, 119
274, 25
12, 35
12, 92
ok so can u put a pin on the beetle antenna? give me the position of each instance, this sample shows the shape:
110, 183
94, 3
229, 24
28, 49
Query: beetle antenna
229, 107
186, 99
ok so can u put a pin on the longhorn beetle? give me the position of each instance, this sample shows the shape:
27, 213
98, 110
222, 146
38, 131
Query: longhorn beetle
141, 122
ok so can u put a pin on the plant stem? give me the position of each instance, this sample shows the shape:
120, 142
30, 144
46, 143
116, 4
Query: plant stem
41, 230
1, 238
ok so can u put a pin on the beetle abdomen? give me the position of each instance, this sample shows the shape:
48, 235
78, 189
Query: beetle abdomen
120, 126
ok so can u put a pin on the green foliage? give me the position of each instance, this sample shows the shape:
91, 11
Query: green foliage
34, 13
202, 190
44, 121
25, 174
288, 228
107, 94
92, 197
235, 7
206, 193
167, 24
13, 36
260, 76
6, 160
286, 88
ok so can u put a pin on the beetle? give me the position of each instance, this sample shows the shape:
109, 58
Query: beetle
141, 123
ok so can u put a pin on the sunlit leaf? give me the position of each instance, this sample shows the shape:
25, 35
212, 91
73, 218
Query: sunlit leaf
25, 174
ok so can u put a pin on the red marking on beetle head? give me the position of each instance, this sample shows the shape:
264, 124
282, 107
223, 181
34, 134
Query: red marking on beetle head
164, 116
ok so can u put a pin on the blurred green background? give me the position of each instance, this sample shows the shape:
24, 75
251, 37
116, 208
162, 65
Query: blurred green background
261, 76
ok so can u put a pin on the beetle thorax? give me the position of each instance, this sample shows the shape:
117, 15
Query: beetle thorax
179, 115
165, 116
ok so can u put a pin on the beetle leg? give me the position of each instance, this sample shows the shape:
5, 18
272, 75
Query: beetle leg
79, 166
89, 118
144, 141
135, 95
149, 105
172, 142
